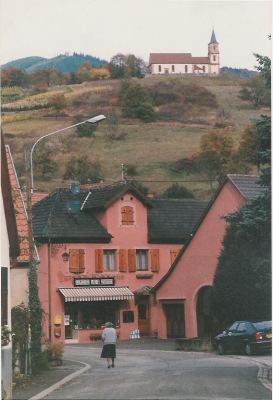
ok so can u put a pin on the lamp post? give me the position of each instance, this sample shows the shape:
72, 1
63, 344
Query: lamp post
92, 120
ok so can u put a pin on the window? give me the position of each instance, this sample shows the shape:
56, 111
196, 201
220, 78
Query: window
172, 68
76, 261
128, 316
186, 68
142, 260
127, 215
4, 296
214, 58
241, 327
109, 260
204, 68
159, 68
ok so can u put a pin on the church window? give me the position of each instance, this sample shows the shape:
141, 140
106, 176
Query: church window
159, 68
214, 58
172, 68
127, 215
204, 68
186, 68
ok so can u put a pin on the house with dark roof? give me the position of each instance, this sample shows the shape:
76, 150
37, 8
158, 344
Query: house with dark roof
185, 63
101, 250
182, 295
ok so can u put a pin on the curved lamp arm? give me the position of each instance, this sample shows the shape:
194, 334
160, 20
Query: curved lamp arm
93, 120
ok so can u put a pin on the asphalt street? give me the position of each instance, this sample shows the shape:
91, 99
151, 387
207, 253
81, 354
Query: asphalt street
162, 375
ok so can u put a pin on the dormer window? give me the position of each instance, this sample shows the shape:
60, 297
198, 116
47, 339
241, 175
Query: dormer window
127, 215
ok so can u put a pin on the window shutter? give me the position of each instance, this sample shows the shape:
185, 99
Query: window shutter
74, 261
132, 260
81, 261
123, 260
155, 260
173, 254
98, 260
127, 215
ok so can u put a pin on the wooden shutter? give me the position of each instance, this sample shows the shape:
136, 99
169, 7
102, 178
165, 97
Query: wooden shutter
81, 261
154, 260
127, 215
132, 260
74, 261
98, 260
123, 260
173, 254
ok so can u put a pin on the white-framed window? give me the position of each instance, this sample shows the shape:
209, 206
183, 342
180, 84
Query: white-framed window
172, 68
109, 260
204, 68
159, 68
214, 58
141, 260
186, 69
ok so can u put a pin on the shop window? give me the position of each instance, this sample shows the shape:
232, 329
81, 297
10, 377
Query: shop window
128, 316
127, 215
76, 261
4, 296
109, 260
141, 260
159, 68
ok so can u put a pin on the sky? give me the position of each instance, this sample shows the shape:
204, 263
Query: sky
103, 28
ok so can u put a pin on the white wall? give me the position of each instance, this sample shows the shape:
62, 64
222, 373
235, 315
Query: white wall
178, 69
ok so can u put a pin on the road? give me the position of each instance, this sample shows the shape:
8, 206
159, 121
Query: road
162, 375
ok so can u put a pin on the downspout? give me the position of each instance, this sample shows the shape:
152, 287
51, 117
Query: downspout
49, 292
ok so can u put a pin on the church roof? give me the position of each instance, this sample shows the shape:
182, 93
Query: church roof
213, 38
176, 58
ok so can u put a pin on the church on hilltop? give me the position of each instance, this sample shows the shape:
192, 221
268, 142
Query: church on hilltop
185, 63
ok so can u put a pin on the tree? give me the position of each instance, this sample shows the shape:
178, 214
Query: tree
14, 77
216, 152
85, 130
178, 192
127, 66
135, 102
82, 170
117, 66
255, 91
45, 166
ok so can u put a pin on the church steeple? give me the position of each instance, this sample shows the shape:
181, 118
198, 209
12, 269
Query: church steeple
213, 38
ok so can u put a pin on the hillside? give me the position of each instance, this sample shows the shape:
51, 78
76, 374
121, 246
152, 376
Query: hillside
148, 150
62, 63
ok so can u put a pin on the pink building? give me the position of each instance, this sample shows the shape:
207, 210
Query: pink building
182, 296
101, 250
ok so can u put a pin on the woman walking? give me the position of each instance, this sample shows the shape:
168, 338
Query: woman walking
109, 338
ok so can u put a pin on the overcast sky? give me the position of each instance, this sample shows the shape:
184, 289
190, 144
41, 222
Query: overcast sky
103, 28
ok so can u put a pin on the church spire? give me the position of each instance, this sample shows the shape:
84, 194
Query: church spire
213, 38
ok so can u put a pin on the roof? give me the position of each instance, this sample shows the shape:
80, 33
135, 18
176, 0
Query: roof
176, 58
20, 211
243, 181
96, 293
59, 218
213, 38
247, 185
9, 210
143, 290
173, 220
103, 196
37, 196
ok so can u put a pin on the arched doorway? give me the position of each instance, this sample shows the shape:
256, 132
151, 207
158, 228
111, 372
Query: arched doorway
203, 312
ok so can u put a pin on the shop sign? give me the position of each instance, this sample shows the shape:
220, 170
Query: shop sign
94, 282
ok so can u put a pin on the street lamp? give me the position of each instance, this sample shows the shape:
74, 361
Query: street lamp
94, 120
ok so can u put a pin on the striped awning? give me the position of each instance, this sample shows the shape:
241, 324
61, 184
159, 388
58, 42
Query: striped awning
96, 293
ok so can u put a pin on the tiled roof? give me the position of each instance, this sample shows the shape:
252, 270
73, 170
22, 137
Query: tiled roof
102, 196
173, 220
176, 58
59, 218
248, 185
20, 211
37, 196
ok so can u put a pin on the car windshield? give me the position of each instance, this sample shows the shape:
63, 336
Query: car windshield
263, 325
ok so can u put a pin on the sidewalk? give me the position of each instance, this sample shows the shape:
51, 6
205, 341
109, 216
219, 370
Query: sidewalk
38, 383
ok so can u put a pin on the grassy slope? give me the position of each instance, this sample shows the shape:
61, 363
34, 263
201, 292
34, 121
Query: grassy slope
148, 146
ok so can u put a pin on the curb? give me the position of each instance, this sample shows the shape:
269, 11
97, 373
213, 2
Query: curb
63, 381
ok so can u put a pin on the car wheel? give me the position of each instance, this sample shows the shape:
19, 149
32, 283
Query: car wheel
248, 349
221, 349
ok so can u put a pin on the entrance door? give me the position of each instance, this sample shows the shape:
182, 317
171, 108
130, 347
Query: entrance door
175, 320
144, 317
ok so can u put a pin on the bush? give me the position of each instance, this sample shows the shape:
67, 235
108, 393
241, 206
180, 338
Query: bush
85, 130
178, 192
82, 170
55, 352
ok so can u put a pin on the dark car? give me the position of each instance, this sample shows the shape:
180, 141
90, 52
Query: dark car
245, 336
